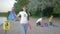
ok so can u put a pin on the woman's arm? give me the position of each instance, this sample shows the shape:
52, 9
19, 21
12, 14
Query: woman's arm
29, 25
28, 16
18, 15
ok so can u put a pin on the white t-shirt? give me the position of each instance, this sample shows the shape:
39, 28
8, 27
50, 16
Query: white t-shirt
24, 16
39, 20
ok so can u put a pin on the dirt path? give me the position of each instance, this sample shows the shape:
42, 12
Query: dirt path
35, 30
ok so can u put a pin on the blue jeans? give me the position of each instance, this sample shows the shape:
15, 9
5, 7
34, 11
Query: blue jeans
23, 28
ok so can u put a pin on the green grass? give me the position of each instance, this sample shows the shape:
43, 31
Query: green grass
3, 14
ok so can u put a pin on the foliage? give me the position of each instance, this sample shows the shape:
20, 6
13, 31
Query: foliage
35, 6
20, 3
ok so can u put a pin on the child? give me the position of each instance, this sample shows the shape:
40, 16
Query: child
50, 19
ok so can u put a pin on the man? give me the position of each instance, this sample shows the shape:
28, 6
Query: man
40, 21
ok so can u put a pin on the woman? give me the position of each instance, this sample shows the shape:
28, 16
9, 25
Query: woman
24, 20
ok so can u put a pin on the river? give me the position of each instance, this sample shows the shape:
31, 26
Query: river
2, 19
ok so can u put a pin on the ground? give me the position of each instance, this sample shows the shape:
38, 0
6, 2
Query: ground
15, 28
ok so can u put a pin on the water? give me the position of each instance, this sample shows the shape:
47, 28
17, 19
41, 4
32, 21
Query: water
2, 19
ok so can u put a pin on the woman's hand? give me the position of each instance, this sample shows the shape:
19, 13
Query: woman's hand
28, 21
29, 25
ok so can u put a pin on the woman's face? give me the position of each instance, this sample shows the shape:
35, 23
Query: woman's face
24, 8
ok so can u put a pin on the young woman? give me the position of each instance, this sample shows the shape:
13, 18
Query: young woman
24, 20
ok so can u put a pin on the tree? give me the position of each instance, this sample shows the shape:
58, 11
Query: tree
36, 6
20, 3
55, 4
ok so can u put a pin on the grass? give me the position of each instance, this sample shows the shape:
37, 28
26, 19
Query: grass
3, 14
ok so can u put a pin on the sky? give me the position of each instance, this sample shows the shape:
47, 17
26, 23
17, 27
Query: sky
6, 5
